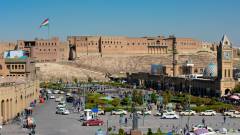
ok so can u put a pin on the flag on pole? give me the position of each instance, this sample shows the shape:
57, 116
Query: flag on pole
45, 23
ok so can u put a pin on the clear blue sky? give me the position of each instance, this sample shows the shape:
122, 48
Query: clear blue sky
201, 19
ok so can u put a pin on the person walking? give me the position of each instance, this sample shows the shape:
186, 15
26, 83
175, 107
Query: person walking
126, 121
203, 121
224, 119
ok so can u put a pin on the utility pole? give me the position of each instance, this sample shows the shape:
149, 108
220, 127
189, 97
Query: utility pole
189, 100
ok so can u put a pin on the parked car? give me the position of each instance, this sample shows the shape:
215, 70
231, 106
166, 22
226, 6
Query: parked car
52, 97
55, 91
235, 115
61, 92
101, 112
118, 112
93, 122
169, 116
158, 114
69, 99
49, 91
208, 113
230, 112
62, 111
188, 113
145, 112
68, 94
61, 105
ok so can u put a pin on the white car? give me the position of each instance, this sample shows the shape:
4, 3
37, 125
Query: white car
188, 113
56, 91
58, 99
68, 94
61, 105
101, 112
145, 112
208, 113
158, 114
62, 111
118, 112
230, 112
169, 116
201, 126
235, 115
52, 97
49, 91
62, 92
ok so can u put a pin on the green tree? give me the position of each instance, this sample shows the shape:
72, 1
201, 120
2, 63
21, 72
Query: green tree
237, 88
166, 97
154, 98
125, 101
116, 102
149, 131
121, 131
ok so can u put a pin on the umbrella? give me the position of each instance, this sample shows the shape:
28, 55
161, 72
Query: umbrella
235, 97
201, 131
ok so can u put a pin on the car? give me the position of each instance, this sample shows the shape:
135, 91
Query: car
230, 112
61, 92
170, 116
118, 112
52, 97
101, 112
158, 114
201, 126
208, 113
69, 99
145, 112
68, 94
61, 105
188, 113
93, 122
55, 91
49, 91
235, 115
62, 111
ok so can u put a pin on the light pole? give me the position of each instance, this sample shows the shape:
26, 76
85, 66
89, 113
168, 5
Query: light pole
189, 100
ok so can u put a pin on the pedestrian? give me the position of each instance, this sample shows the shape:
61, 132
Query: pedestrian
224, 119
184, 130
78, 108
126, 121
203, 121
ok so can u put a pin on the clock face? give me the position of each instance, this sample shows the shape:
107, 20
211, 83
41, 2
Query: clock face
227, 55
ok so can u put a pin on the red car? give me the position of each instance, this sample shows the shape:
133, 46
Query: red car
93, 122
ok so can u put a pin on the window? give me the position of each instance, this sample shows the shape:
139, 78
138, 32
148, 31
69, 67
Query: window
229, 73
8, 66
49, 50
225, 73
16, 67
12, 66
22, 66
0, 67
40, 49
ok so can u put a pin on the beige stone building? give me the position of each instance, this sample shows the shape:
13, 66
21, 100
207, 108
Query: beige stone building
104, 45
213, 80
19, 86
16, 94
45, 50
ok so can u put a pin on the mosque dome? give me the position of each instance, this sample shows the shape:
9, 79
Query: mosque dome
210, 71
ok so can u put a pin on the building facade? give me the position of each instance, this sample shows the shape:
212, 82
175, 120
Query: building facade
215, 80
45, 50
19, 85
101, 45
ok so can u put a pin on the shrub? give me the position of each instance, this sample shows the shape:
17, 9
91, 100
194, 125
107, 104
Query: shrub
149, 131
121, 131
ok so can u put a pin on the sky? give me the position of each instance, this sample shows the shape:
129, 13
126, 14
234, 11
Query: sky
206, 20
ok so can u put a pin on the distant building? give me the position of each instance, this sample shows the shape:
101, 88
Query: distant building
105, 45
213, 80
45, 50
19, 86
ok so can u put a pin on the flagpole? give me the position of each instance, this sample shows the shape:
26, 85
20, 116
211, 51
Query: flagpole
48, 31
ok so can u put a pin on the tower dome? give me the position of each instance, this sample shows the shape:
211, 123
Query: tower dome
210, 71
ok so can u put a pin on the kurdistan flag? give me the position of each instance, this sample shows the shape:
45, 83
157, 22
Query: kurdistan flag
45, 23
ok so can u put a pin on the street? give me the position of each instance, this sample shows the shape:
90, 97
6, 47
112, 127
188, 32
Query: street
49, 123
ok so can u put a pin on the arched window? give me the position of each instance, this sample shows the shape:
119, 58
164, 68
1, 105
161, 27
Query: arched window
0, 67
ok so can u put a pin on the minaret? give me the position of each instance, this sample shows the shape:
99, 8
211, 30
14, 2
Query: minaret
175, 56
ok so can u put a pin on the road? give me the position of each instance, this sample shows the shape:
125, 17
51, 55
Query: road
49, 123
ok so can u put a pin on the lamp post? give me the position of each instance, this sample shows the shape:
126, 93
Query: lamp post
189, 100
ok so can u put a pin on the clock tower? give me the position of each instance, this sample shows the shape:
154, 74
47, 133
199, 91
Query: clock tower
225, 66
